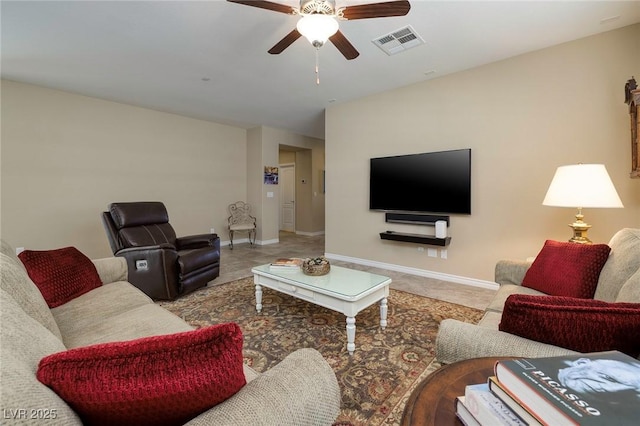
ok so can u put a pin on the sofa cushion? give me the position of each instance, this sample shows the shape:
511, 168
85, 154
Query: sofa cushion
25, 342
490, 319
61, 274
17, 283
8, 250
111, 269
583, 325
97, 307
143, 321
158, 380
623, 262
567, 269
506, 290
630, 291
274, 397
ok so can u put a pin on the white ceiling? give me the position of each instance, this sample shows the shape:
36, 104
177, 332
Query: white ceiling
156, 54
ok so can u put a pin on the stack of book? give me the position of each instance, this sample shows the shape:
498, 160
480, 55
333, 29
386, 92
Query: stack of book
601, 388
479, 406
286, 264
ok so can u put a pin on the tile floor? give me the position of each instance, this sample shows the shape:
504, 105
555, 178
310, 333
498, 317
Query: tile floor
237, 263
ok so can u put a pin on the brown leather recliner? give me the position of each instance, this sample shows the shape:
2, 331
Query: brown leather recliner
160, 264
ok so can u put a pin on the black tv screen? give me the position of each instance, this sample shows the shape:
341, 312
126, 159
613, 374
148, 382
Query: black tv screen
432, 182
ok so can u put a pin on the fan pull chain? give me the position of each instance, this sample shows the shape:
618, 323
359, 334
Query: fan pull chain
317, 66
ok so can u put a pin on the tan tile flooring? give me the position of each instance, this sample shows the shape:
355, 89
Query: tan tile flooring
237, 263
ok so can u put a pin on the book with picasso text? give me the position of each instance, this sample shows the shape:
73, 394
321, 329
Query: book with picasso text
601, 388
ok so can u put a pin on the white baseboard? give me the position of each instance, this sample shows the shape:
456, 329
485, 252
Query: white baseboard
246, 240
273, 241
415, 271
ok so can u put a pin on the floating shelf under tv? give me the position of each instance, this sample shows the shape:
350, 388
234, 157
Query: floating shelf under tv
415, 238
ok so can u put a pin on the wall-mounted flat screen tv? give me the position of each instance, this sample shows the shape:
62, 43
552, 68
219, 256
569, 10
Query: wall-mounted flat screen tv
431, 182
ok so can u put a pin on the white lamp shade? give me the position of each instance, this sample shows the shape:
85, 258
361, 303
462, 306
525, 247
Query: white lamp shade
317, 27
582, 185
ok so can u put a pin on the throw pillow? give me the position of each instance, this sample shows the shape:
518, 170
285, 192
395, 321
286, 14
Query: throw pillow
61, 275
567, 269
159, 380
583, 325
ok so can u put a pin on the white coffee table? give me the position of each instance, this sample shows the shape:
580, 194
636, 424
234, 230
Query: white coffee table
342, 289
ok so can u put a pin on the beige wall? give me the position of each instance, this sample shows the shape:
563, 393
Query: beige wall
304, 214
309, 166
310, 205
522, 118
287, 157
255, 176
316, 187
66, 157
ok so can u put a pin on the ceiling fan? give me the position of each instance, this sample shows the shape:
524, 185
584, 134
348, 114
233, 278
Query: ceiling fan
319, 20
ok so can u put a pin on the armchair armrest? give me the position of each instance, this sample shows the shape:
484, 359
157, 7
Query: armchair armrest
457, 341
196, 241
301, 390
511, 271
153, 269
126, 251
111, 269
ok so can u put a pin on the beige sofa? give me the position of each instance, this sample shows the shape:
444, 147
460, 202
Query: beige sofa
301, 390
619, 281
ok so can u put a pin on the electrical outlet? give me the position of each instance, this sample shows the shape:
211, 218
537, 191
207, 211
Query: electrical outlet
420, 248
213, 230
432, 252
443, 254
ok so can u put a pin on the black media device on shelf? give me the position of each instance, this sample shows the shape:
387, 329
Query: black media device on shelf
413, 219
432, 182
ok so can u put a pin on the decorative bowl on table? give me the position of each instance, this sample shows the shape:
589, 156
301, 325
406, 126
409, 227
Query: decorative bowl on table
316, 266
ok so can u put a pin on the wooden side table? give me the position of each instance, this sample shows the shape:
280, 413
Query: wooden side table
433, 401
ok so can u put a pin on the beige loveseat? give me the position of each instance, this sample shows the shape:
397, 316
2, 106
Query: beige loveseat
301, 390
619, 281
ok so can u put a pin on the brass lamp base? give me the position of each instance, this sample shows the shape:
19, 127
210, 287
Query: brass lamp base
580, 229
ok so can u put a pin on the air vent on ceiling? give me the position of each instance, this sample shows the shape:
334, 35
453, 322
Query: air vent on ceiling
398, 41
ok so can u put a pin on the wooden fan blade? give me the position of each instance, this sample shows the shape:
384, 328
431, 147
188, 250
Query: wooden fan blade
377, 10
344, 46
285, 42
269, 5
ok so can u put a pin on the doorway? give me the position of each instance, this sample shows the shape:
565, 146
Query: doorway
287, 197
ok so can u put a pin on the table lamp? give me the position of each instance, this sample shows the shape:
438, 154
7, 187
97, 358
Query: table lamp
579, 186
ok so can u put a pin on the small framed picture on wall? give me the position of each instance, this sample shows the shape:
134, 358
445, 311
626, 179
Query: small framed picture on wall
270, 175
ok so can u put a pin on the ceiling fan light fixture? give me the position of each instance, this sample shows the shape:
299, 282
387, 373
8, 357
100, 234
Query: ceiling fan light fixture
317, 28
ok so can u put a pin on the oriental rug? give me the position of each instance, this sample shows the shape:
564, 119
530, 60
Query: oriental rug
375, 381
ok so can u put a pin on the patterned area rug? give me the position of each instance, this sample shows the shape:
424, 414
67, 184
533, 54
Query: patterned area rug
386, 366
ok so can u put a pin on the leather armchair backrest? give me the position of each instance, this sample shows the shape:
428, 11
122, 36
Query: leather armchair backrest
147, 235
142, 224
112, 232
126, 215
